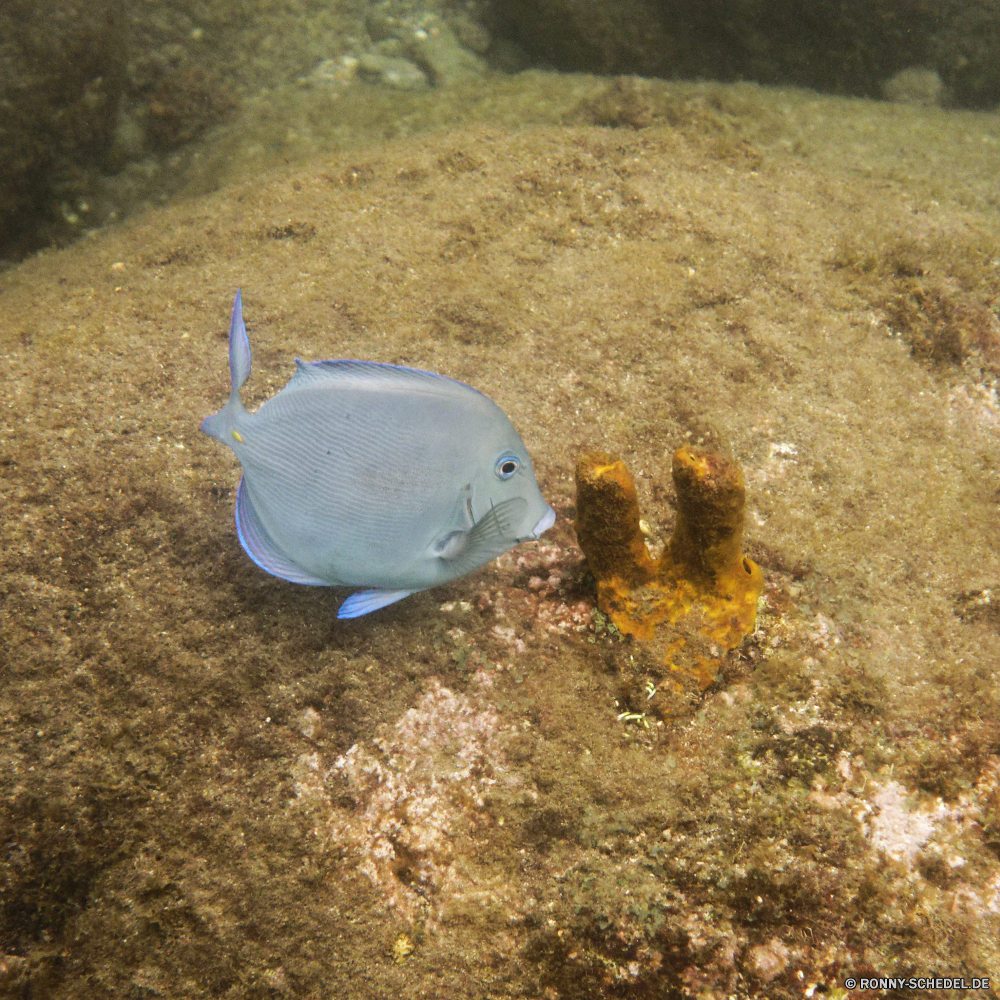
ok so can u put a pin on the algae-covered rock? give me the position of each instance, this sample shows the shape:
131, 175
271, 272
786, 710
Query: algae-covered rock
439, 49
392, 71
915, 85
91, 93
211, 787
59, 94
848, 49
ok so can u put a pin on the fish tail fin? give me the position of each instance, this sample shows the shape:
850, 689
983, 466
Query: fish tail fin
220, 424
239, 346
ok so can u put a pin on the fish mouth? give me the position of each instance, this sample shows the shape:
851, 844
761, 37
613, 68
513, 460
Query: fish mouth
548, 519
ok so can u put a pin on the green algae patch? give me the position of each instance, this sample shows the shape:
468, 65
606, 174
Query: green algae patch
935, 289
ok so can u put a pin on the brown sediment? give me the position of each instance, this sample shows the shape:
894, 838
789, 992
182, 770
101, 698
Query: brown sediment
702, 571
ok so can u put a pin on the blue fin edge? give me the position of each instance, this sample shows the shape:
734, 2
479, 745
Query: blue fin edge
366, 601
258, 545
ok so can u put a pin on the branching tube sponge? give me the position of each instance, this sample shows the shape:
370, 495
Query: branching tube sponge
702, 581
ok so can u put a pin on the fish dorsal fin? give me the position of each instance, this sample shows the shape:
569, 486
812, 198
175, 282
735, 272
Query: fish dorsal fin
386, 376
366, 601
261, 549
494, 533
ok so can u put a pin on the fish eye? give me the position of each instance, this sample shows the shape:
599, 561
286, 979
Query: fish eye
507, 466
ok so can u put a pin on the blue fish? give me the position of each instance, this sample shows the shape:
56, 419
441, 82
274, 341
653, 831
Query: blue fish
369, 475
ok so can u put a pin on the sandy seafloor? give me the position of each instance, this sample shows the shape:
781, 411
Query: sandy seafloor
213, 788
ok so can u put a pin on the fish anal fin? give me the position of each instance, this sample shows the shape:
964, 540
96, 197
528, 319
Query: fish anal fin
366, 601
259, 546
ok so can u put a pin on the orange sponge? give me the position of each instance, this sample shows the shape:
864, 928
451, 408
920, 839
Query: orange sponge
702, 571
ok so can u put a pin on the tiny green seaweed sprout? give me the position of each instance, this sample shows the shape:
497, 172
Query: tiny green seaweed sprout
639, 717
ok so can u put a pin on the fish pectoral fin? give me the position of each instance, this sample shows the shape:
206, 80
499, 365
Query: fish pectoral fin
493, 535
366, 601
260, 547
451, 545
